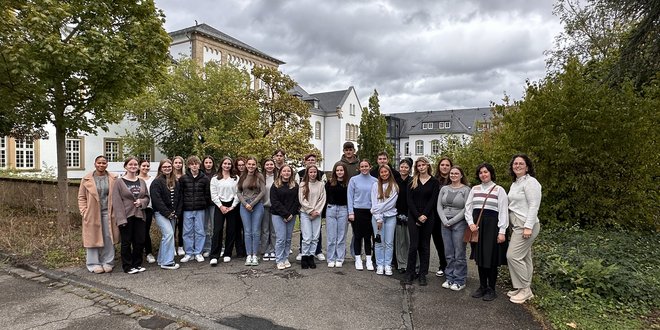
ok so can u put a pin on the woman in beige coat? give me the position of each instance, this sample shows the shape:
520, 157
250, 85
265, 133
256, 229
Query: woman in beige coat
99, 230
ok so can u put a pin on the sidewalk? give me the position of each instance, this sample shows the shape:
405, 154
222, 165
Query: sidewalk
262, 297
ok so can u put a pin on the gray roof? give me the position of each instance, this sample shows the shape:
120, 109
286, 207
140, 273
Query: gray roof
224, 38
329, 101
463, 121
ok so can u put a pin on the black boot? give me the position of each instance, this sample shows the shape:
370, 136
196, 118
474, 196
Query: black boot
480, 292
310, 262
422, 280
408, 279
304, 263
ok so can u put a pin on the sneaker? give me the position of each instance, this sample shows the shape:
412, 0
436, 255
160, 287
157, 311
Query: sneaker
457, 287
170, 266
287, 264
206, 254
280, 266
226, 259
199, 258
388, 270
358, 263
440, 273
150, 258
186, 258
97, 270
132, 271
214, 262
255, 260
422, 280
299, 257
380, 270
248, 261
266, 257
489, 295
339, 264
479, 292
331, 264
107, 268
320, 256
522, 296
513, 293
141, 269
180, 251
446, 285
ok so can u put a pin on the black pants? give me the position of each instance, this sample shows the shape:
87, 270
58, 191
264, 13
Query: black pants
148, 219
132, 241
362, 231
239, 238
232, 219
179, 230
420, 242
219, 220
439, 243
487, 277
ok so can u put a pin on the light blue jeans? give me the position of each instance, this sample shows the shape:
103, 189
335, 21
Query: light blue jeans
283, 232
452, 236
385, 248
193, 232
166, 251
310, 228
208, 227
336, 224
252, 227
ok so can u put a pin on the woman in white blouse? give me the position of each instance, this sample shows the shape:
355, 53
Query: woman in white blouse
524, 202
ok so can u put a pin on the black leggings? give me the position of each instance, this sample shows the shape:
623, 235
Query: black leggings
439, 243
420, 242
148, 219
132, 241
362, 231
487, 277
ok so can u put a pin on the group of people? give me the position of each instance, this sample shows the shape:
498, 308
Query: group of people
393, 215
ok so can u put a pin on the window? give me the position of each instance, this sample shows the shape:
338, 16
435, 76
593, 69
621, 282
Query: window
444, 125
419, 147
435, 147
3, 152
483, 126
145, 156
351, 110
73, 153
24, 154
348, 132
317, 130
427, 125
406, 148
316, 104
111, 150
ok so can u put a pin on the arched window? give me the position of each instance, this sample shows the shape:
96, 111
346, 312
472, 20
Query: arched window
419, 147
317, 130
435, 147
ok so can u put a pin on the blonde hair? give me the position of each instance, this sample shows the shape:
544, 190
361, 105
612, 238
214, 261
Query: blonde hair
415, 178
278, 181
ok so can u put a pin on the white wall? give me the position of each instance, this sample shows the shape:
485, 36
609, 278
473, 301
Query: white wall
426, 139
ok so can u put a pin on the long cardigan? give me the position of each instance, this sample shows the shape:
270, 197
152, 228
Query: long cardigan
124, 199
90, 209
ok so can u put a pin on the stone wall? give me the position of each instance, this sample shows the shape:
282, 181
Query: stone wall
40, 195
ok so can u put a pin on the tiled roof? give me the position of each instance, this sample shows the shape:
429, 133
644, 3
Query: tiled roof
329, 101
225, 38
463, 121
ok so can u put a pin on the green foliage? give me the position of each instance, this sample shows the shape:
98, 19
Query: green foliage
373, 130
597, 278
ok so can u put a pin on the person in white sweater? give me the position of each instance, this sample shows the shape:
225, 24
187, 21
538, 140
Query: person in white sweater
312, 200
524, 202
384, 194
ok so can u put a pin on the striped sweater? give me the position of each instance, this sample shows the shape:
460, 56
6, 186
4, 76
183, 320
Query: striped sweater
497, 201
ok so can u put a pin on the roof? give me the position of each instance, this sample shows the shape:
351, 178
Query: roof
224, 38
463, 121
330, 101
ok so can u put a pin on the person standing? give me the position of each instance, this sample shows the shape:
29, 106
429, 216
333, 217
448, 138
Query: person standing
130, 198
267, 246
451, 209
209, 170
401, 234
99, 230
224, 195
251, 190
145, 166
336, 220
524, 202
489, 201
164, 192
384, 194
422, 200
195, 197
178, 164
310, 159
384, 159
359, 213
312, 200
239, 168
442, 175
350, 160
284, 206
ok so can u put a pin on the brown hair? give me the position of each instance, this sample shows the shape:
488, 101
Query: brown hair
305, 180
391, 184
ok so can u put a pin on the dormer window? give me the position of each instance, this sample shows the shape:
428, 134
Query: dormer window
427, 125
444, 125
316, 104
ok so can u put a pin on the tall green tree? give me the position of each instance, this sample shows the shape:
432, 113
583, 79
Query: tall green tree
373, 131
69, 63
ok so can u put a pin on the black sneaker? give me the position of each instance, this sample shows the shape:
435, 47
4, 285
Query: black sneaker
479, 293
422, 280
490, 295
133, 271
408, 279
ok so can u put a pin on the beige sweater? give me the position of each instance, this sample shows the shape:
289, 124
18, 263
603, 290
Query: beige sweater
316, 198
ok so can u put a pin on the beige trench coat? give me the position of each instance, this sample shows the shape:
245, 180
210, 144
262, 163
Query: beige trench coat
88, 204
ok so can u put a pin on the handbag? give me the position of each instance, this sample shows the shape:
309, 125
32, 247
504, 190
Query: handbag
470, 236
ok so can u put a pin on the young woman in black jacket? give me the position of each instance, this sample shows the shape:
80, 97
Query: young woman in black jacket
164, 194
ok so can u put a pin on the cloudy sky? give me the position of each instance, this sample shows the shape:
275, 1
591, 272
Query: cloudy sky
419, 54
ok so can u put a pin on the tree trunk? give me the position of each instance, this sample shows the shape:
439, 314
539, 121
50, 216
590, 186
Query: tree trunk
62, 180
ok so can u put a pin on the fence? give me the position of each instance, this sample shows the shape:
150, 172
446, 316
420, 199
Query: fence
40, 195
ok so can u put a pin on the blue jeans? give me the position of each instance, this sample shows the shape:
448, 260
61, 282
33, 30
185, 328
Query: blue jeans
166, 251
310, 228
385, 248
336, 223
208, 227
456, 270
252, 227
283, 232
193, 232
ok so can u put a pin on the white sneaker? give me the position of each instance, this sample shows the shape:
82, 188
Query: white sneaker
170, 266
180, 251
299, 256
186, 258
248, 260
320, 256
206, 254
439, 273
358, 263
379, 270
141, 269
331, 264
287, 264
133, 271
370, 264
255, 260
339, 264
280, 265
199, 258
272, 256
388, 270
513, 292
214, 262
226, 259
457, 287
150, 258
446, 284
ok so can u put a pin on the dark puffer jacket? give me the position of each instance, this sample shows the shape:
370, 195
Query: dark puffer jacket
161, 198
195, 192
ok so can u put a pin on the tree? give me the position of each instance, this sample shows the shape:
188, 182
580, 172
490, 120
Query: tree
70, 63
373, 131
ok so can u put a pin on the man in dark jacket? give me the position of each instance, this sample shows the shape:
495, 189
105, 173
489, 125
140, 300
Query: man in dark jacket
195, 197
384, 159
